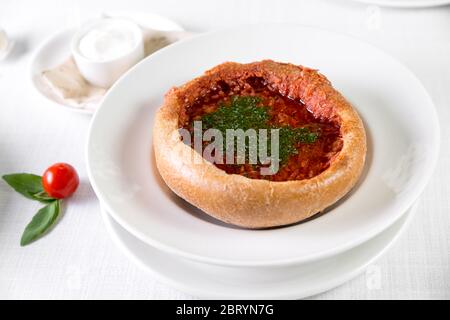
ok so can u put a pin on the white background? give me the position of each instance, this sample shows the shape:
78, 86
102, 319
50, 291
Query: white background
78, 260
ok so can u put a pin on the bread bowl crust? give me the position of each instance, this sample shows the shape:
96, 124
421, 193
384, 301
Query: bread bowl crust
258, 203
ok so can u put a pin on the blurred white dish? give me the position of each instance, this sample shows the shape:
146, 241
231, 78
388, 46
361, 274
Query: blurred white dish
400, 119
56, 49
6, 45
407, 3
294, 282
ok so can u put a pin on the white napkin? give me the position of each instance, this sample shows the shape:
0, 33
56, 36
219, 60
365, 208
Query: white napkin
66, 82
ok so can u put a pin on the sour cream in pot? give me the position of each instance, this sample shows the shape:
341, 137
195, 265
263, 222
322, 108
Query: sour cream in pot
107, 41
104, 49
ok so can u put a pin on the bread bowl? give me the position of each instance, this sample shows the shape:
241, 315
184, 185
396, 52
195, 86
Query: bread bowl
311, 178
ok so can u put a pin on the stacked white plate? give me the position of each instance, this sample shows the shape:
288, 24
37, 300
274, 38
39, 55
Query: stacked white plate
188, 249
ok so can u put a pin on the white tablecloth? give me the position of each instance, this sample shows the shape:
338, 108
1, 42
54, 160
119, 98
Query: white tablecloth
78, 260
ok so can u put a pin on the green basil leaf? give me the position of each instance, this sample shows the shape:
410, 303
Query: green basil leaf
43, 197
42, 221
29, 185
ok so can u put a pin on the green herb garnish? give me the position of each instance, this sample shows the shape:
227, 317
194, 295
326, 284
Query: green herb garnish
42, 221
27, 184
241, 113
30, 186
290, 137
247, 112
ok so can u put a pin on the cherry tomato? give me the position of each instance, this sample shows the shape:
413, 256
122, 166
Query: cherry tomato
60, 180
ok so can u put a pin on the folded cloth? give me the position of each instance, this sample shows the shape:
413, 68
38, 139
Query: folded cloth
67, 84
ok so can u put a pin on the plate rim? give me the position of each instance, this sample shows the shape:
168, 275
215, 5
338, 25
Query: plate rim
418, 189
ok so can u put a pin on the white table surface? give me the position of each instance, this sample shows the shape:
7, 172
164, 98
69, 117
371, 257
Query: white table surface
77, 260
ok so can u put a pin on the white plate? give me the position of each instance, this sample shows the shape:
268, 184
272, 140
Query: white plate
56, 49
294, 282
407, 3
401, 123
